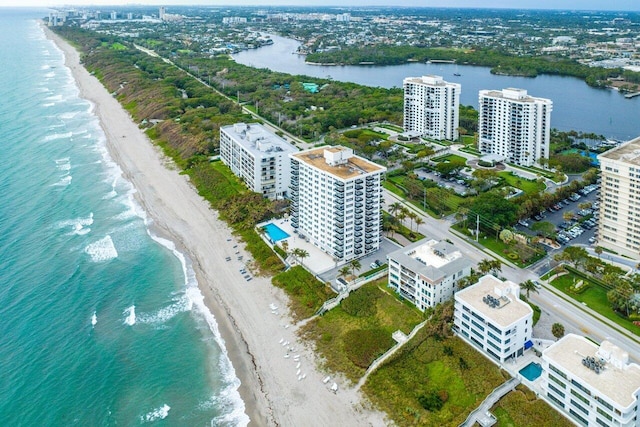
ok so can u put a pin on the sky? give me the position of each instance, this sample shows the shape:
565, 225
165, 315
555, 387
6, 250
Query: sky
628, 5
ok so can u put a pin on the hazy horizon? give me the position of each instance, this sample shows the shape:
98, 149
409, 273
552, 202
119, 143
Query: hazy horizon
599, 5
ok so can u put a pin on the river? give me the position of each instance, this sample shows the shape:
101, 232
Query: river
576, 106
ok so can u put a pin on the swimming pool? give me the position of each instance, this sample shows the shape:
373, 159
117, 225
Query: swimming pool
532, 371
275, 233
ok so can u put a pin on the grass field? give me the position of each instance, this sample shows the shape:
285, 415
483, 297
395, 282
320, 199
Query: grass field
352, 335
595, 297
449, 158
523, 184
521, 408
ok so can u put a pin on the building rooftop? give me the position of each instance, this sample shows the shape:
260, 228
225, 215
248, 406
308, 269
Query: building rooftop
338, 161
256, 139
628, 152
430, 79
432, 259
509, 308
514, 94
618, 379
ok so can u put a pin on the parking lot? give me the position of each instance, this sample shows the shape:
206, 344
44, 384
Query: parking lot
570, 233
458, 185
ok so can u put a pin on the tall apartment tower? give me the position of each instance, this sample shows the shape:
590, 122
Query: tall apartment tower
431, 107
260, 158
336, 201
161, 13
514, 125
619, 225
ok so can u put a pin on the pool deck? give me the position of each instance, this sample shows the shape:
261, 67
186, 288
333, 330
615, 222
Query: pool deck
317, 261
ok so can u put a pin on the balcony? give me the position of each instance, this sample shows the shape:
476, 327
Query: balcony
368, 247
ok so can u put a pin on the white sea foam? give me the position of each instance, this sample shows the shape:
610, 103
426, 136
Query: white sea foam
229, 399
157, 414
130, 314
55, 136
64, 181
54, 98
49, 75
102, 250
68, 116
49, 104
45, 67
94, 319
180, 304
79, 226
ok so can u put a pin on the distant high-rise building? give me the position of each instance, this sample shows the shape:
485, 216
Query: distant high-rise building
259, 157
336, 201
514, 125
161, 13
343, 17
619, 225
114, 15
431, 107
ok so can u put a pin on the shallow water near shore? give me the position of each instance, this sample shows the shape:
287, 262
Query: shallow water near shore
101, 321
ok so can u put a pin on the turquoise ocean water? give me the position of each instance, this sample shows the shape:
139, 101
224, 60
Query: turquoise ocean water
101, 323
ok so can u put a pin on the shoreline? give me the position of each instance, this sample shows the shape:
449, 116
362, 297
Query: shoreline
276, 389
236, 348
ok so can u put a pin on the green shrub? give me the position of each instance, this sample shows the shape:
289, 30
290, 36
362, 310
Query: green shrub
363, 346
432, 400
512, 256
306, 293
361, 303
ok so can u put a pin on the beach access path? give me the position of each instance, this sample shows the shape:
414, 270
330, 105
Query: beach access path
262, 344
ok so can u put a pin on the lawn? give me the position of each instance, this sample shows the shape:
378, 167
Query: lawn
523, 184
449, 158
521, 408
502, 249
595, 297
352, 335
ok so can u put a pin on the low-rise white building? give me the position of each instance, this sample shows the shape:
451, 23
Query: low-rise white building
426, 272
491, 316
594, 385
259, 157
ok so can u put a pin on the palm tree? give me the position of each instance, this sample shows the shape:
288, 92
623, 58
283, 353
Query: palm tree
419, 222
355, 265
344, 271
598, 250
557, 329
496, 266
412, 216
302, 254
394, 208
285, 246
529, 286
484, 266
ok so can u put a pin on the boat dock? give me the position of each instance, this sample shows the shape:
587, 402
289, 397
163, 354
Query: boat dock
631, 95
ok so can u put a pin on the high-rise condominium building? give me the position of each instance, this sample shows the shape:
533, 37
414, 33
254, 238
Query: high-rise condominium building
336, 201
619, 225
259, 157
431, 107
514, 125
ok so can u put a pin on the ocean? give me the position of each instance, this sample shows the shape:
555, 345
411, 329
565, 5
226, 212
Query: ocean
101, 321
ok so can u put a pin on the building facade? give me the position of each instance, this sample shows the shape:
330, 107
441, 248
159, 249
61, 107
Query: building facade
593, 385
619, 225
431, 107
260, 158
491, 316
514, 125
336, 201
426, 272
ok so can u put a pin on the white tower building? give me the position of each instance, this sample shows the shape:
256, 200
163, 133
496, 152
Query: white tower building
431, 107
336, 201
514, 125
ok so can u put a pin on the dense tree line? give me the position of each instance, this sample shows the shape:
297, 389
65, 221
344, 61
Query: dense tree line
500, 63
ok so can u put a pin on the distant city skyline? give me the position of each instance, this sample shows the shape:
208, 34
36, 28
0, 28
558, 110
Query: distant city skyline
616, 5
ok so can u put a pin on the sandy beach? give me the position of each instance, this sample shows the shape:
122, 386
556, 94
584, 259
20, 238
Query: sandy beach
280, 382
